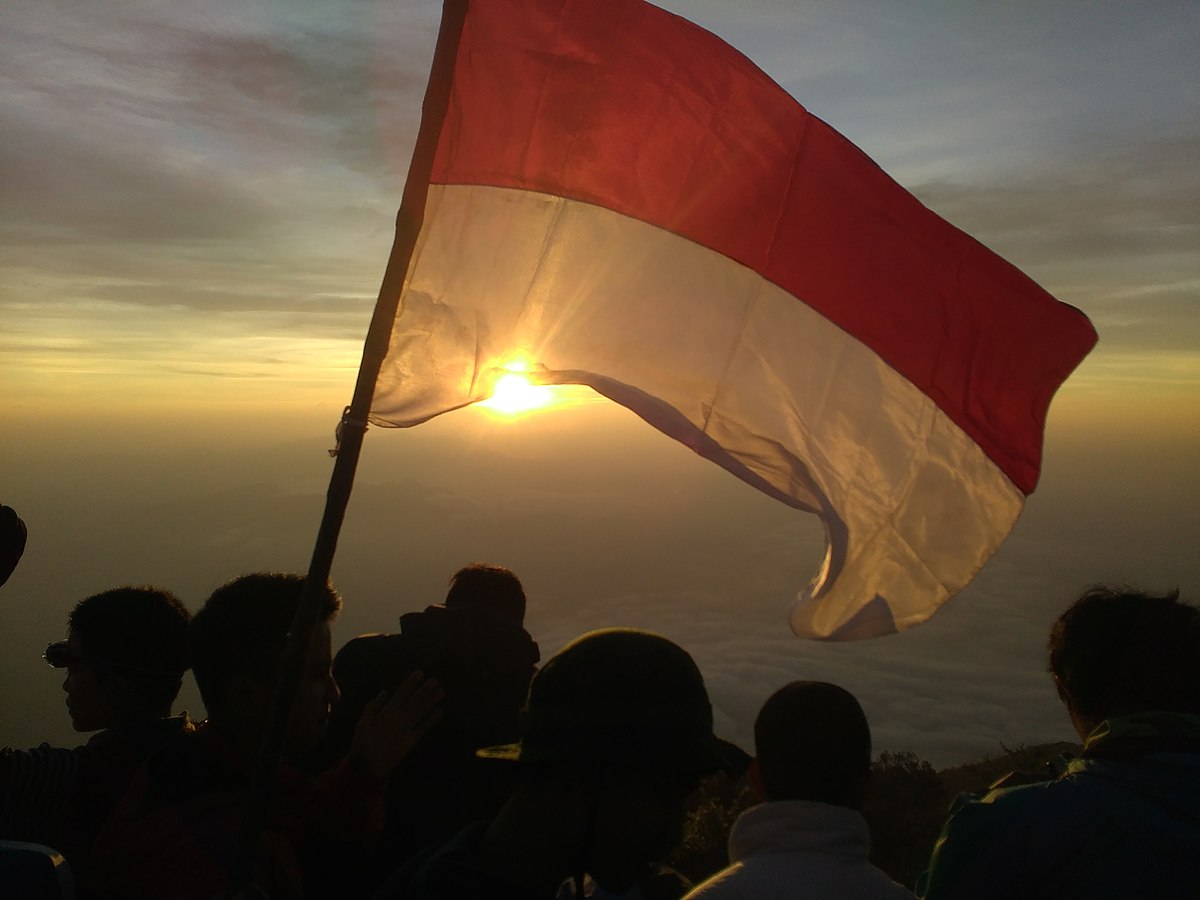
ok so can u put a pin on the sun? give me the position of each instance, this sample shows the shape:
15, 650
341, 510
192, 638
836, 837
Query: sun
516, 390
514, 393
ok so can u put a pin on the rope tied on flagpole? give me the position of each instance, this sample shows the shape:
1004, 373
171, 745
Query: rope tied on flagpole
340, 430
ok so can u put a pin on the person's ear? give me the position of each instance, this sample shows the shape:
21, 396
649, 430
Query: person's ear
122, 695
1084, 725
114, 684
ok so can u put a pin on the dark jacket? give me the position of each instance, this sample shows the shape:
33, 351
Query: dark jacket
1124, 821
175, 833
61, 796
454, 871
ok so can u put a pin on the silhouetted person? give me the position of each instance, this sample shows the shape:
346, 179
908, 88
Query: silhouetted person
125, 655
175, 833
12, 541
617, 732
807, 838
478, 650
1124, 820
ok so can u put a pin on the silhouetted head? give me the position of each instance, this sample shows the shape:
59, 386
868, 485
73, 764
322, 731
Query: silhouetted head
125, 655
493, 587
619, 697
12, 541
616, 733
813, 743
238, 639
1117, 651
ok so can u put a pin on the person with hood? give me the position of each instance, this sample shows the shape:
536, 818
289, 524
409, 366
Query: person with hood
811, 768
1124, 820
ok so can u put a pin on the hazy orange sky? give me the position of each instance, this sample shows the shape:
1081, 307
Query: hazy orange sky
196, 207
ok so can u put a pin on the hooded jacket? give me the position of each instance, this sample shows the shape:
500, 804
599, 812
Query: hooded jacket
797, 848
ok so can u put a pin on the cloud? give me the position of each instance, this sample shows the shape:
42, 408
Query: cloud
194, 134
1081, 208
202, 195
229, 166
1110, 230
182, 182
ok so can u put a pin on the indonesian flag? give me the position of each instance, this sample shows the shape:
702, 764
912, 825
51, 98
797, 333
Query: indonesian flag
617, 198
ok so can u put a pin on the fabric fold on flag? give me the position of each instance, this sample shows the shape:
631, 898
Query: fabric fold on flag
620, 199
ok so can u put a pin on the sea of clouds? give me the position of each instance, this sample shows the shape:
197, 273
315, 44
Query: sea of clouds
608, 524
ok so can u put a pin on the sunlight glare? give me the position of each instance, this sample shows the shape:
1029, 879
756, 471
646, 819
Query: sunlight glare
514, 393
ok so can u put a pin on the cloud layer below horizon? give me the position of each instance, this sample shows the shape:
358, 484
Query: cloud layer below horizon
633, 531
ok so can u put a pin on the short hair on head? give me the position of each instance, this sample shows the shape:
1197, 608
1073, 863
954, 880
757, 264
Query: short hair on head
483, 584
242, 629
1117, 651
139, 632
813, 743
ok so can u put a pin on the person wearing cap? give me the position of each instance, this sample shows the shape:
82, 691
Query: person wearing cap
807, 837
125, 654
616, 733
476, 646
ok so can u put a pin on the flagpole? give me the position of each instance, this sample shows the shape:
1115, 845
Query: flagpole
350, 433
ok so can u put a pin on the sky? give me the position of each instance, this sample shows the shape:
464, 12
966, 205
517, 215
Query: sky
196, 204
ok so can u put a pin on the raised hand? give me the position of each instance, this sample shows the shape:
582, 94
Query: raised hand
391, 726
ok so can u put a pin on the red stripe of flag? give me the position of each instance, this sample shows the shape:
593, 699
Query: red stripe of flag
603, 102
